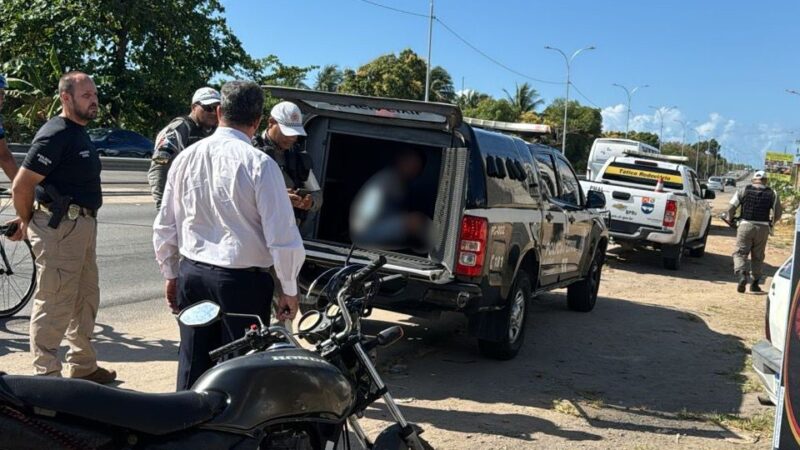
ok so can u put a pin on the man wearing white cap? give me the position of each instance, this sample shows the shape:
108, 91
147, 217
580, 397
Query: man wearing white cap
180, 133
756, 201
279, 141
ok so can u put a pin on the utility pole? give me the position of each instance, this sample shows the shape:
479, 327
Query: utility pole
430, 45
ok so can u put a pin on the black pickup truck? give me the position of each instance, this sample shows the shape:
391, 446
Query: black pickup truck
510, 219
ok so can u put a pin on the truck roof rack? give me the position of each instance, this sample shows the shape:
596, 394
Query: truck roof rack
656, 156
530, 129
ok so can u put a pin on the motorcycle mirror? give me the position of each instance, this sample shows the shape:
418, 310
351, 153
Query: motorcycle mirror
200, 314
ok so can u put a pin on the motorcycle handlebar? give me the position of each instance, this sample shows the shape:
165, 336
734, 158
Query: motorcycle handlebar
231, 347
367, 270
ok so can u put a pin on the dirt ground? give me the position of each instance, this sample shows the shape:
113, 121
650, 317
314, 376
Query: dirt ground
661, 363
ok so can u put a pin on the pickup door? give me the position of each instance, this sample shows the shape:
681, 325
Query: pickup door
698, 207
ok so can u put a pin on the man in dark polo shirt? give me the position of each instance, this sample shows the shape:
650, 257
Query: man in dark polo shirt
57, 194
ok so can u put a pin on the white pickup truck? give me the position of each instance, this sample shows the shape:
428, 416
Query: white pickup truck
655, 201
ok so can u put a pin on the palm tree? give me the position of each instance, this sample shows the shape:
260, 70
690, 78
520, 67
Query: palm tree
442, 89
329, 78
470, 99
525, 98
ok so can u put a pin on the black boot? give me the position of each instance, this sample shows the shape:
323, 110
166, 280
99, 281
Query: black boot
755, 288
742, 283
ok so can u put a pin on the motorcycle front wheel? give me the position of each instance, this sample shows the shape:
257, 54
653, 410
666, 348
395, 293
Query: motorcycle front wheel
391, 438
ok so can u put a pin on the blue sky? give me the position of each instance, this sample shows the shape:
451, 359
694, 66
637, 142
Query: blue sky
724, 64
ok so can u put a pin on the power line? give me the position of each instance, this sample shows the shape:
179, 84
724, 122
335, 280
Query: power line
465, 42
584, 96
495, 61
410, 13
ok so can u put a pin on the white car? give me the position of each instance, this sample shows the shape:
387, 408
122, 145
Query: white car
768, 353
716, 184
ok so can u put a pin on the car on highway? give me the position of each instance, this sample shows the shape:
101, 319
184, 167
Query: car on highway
509, 220
768, 353
716, 184
121, 143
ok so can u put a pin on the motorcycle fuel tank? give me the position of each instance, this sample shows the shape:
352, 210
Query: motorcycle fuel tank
275, 386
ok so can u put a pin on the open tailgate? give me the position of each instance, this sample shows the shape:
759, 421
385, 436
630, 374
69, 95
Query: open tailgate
410, 113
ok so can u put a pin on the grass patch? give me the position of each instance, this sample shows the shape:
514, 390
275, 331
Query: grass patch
565, 406
751, 386
592, 399
760, 424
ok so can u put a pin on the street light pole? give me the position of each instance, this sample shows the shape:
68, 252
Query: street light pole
660, 111
430, 45
567, 60
629, 93
683, 139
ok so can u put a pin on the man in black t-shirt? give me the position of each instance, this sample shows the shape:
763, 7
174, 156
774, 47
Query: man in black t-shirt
57, 194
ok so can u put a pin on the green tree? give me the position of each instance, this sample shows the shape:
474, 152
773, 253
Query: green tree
525, 98
397, 76
442, 89
145, 60
271, 71
470, 98
329, 78
585, 124
492, 109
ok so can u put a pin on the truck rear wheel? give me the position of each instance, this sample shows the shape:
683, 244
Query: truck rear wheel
674, 254
582, 296
512, 320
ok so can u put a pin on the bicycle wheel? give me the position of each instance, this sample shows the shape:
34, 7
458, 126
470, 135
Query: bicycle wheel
17, 275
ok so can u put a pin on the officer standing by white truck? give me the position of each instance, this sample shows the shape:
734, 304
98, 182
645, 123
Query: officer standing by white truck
756, 201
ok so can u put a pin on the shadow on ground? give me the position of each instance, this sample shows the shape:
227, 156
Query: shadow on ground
111, 345
646, 365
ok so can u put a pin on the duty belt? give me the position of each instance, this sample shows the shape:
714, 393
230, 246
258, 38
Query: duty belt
73, 212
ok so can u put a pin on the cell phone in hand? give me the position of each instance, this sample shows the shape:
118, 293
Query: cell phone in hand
302, 192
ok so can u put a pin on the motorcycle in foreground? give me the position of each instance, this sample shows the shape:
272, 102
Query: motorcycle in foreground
277, 396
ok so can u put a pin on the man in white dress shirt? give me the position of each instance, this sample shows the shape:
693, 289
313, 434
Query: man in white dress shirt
225, 219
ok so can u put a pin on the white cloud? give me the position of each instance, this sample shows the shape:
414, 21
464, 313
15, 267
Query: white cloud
747, 144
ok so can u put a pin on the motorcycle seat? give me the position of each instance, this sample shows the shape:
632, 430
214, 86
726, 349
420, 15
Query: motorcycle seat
155, 414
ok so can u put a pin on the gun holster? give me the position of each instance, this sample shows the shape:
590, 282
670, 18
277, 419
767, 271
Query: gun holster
54, 203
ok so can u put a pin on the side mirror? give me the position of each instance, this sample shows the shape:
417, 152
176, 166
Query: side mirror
595, 200
703, 186
200, 314
709, 195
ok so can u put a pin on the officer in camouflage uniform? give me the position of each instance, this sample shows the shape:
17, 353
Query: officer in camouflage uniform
756, 201
181, 133
7, 162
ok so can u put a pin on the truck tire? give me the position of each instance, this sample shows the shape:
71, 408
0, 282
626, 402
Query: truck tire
511, 319
674, 254
582, 296
700, 251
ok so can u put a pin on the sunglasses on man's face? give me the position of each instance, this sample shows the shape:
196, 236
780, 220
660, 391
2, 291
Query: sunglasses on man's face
208, 108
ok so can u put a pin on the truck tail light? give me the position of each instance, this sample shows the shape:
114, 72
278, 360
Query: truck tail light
767, 334
670, 213
472, 246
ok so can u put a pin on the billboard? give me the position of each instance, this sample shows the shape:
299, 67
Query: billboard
779, 166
